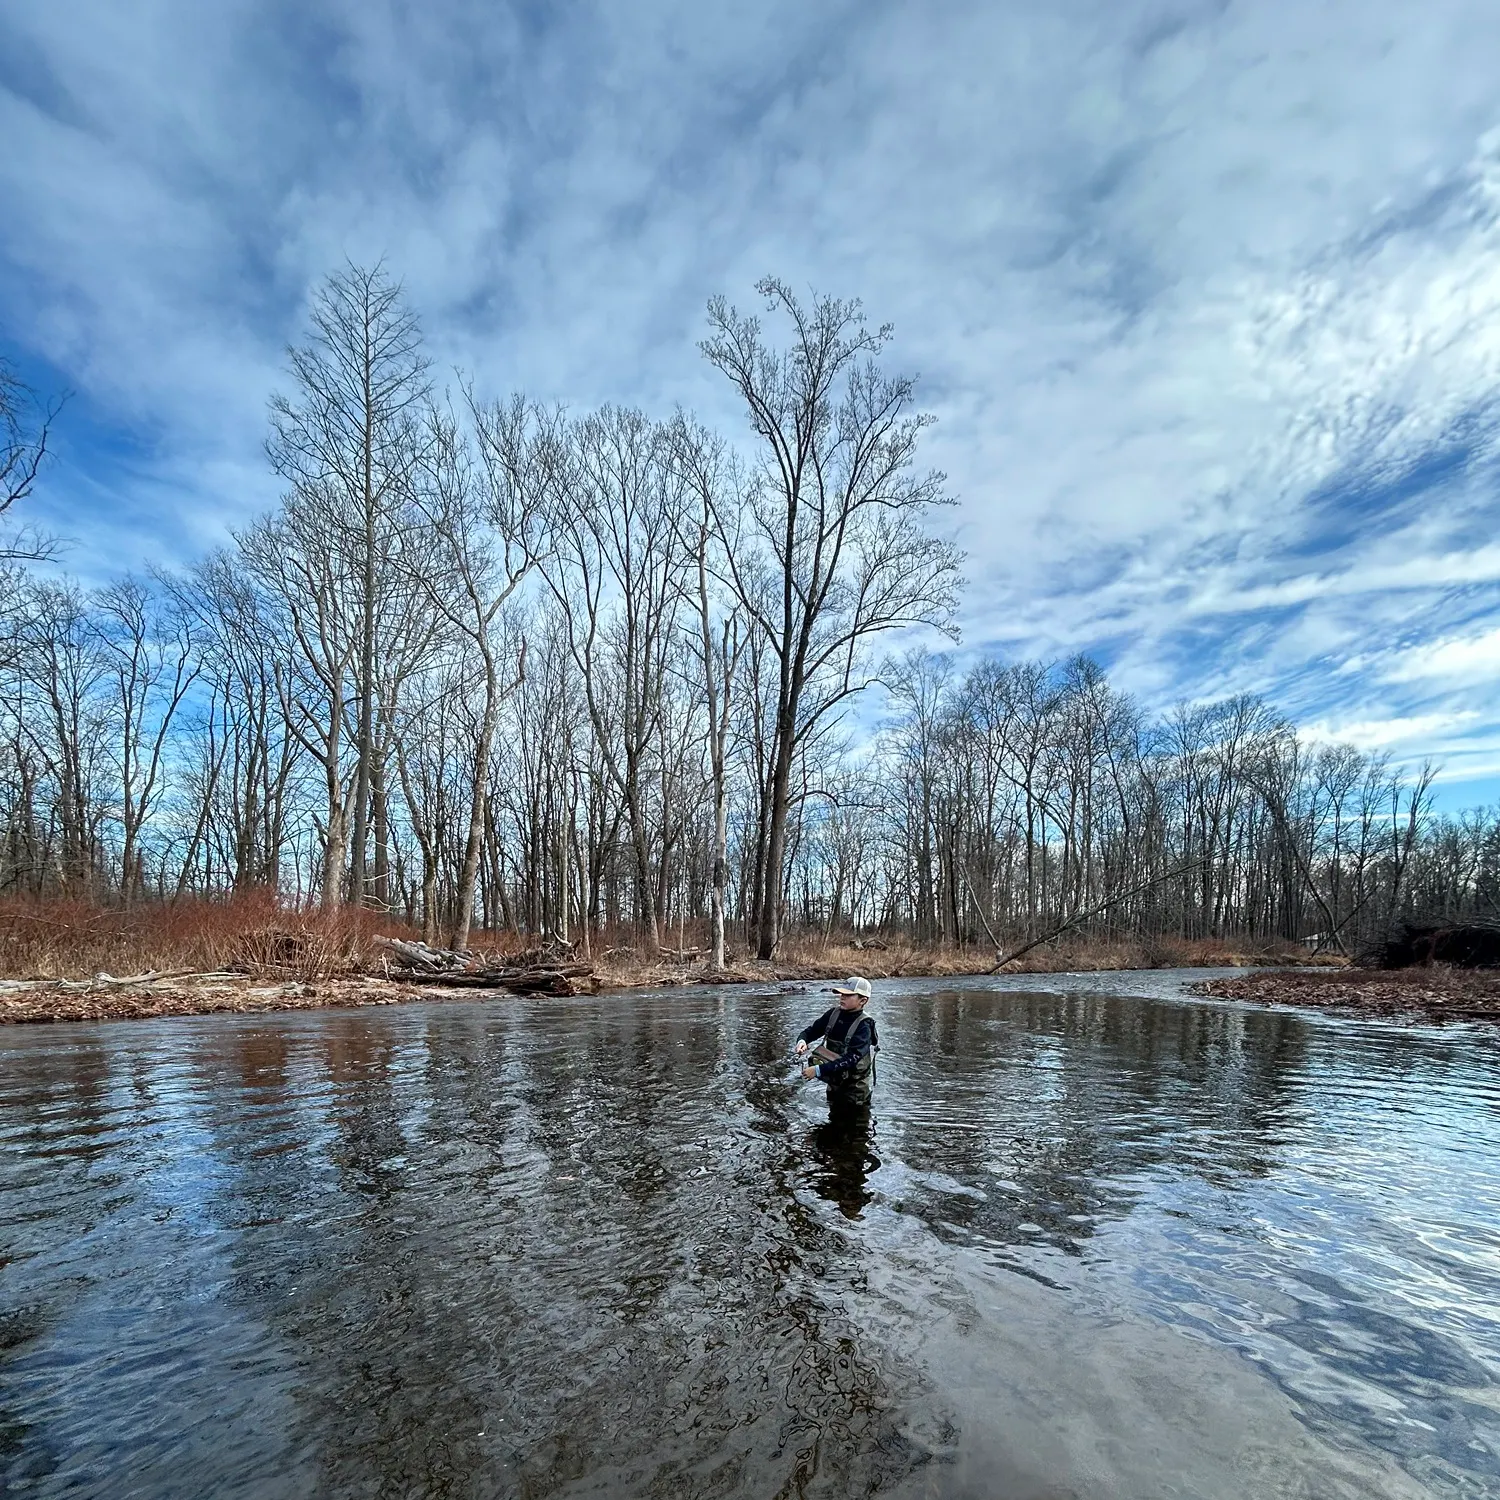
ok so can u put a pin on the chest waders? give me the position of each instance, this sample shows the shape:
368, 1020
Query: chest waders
857, 1085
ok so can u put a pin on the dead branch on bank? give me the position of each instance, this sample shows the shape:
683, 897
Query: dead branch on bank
151, 979
419, 963
1002, 958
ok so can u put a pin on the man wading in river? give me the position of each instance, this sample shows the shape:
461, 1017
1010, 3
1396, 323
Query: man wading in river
845, 1060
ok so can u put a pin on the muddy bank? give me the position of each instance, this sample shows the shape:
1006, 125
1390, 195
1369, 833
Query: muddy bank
1434, 993
103, 998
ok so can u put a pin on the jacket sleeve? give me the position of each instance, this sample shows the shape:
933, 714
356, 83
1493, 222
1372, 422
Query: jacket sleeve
858, 1047
813, 1032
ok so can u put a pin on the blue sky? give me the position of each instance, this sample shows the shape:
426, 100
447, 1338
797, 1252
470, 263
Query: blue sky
1206, 296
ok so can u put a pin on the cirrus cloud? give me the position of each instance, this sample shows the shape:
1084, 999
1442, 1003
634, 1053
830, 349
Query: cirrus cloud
1205, 294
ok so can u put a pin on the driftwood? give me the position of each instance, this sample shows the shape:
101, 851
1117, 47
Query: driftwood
420, 964
424, 960
103, 981
522, 981
874, 945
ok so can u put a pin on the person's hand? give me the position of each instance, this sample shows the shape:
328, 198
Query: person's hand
801, 1048
809, 1072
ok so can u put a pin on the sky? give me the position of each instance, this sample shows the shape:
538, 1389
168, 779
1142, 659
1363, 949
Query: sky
1204, 296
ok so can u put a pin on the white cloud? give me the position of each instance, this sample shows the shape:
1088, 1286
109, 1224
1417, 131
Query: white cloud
1420, 732
1201, 293
1470, 659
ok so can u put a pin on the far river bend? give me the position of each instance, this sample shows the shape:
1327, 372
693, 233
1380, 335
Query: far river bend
1101, 1240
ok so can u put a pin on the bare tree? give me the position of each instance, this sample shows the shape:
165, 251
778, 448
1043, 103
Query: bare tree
306, 579
829, 549
701, 457
151, 663
25, 431
617, 572
348, 441
66, 666
249, 751
488, 524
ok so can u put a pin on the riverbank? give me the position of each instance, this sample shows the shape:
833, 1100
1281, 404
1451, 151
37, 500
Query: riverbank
266, 985
1434, 993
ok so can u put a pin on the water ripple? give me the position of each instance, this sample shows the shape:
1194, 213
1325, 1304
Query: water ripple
563, 1248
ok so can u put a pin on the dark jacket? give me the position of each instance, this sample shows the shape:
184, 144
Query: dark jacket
854, 1028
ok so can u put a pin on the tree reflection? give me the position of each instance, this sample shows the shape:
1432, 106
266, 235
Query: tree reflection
537, 1248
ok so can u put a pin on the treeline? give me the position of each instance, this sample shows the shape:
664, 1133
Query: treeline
493, 663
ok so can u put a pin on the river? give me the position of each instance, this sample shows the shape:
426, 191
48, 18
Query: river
1099, 1239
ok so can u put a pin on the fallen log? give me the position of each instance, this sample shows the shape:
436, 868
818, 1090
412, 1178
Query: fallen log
1002, 958
557, 981
419, 956
454, 980
104, 981
519, 981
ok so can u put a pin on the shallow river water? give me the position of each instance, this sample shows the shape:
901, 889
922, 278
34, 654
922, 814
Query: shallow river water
1099, 1240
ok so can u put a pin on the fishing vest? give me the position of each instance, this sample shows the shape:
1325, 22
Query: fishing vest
858, 1084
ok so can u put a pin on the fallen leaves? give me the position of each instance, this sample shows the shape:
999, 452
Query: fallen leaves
1435, 992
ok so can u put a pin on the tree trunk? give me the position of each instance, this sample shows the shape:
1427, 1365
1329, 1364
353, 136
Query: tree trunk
478, 805
380, 802
333, 856
769, 935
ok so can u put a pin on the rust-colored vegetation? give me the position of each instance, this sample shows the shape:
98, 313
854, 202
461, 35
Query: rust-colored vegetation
70, 960
252, 933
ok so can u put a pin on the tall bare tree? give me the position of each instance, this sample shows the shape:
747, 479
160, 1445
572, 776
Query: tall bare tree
349, 439
702, 459
66, 666
307, 579
829, 549
489, 522
618, 571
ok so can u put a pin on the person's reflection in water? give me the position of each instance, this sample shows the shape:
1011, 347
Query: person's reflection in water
843, 1150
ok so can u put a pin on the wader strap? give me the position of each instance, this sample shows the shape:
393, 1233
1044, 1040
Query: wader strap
865, 1067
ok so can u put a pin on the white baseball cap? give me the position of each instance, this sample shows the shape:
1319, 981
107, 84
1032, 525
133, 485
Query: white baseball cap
853, 986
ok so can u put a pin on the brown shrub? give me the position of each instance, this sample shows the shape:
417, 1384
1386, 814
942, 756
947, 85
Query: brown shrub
256, 933
253, 931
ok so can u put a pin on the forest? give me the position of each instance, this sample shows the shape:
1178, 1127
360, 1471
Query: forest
492, 666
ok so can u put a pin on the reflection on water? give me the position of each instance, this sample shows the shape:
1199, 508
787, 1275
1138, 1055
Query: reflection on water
1097, 1241
843, 1147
